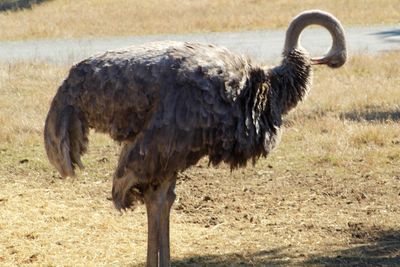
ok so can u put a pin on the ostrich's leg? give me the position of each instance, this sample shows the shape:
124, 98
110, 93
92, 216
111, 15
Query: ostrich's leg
153, 226
164, 224
158, 199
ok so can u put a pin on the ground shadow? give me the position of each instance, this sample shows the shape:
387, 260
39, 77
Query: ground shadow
379, 116
275, 257
14, 5
388, 34
380, 249
369, 247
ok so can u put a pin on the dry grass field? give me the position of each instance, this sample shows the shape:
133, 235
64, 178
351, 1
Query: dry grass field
328, 195
90, 18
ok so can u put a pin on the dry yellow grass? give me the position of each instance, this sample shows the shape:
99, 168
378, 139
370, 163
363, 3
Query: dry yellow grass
328, 195
89, 18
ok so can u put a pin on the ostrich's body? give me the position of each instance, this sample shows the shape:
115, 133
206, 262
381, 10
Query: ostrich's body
171, 103
179, 101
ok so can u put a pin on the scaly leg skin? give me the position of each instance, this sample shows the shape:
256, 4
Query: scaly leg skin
158, 200
164, 225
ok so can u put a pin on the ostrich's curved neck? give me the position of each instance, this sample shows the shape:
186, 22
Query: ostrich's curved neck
291, 80
313, 17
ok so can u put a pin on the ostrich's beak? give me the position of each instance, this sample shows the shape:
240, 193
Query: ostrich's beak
332, 59
318, 61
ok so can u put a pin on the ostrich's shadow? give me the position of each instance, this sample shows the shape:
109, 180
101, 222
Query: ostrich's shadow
371, 247
274, 257
381, 250
14, 5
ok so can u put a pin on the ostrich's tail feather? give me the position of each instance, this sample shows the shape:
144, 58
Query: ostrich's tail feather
65, 138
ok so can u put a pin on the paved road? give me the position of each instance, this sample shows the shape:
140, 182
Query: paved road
264, 46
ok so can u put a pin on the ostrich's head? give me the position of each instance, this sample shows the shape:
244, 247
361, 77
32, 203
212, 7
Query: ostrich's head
337, 55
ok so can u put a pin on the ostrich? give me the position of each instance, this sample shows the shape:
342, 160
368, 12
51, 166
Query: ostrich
170, 104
